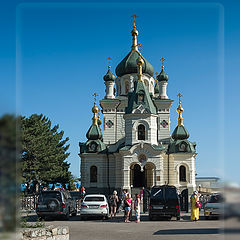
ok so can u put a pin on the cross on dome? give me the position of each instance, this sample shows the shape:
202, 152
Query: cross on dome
109, 62
134, 16
162, 60
95, 96
179, 96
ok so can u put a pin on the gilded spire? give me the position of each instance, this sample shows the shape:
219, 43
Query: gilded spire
140, 63
180, 111
134, 34
95, 110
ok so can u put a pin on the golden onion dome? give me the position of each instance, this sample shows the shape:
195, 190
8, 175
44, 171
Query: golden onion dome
95, 108
180, 109
134, 32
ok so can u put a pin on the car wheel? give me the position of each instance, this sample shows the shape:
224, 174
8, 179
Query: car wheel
178, 218
207, 217
83, 218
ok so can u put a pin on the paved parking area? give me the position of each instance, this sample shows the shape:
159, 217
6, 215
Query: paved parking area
99, 229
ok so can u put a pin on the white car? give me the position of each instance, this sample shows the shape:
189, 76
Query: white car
94, 205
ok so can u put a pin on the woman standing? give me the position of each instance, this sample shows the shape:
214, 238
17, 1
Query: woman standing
194, 206
127, 203
137, 207
113, 204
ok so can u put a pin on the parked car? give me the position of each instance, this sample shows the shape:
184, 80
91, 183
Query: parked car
55, 204
164, 202
94, 205
214, 207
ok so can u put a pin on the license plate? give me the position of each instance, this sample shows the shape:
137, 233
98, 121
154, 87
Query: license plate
94, 207
158, 207
42, 206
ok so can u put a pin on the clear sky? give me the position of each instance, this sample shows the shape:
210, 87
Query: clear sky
53, 57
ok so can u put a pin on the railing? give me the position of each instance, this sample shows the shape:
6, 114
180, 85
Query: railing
28, 202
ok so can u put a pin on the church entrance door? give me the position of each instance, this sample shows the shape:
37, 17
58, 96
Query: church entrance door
138, 177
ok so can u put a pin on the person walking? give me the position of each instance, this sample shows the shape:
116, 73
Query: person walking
127, 203
113, 204
137, 207
195, 204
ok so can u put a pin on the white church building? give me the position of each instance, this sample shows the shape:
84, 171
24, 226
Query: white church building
136, 148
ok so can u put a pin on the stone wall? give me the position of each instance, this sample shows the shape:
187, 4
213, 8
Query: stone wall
46, 233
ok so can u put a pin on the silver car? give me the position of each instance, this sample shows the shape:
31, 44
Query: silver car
94, 205
214, 207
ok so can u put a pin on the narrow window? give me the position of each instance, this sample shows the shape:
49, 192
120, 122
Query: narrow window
141, 132
126, 87
182, 174
93, 174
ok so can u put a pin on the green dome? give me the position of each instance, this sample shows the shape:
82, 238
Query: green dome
129, 65
180, 132
109, 76
94, 133
162, 76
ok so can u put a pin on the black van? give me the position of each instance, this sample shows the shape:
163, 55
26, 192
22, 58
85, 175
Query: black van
164, 202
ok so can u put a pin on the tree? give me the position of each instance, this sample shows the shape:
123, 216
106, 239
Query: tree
44, 151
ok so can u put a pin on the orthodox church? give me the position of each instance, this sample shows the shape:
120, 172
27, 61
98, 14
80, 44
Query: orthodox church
136, 148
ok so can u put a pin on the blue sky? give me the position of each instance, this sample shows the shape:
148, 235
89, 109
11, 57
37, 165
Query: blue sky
53, 57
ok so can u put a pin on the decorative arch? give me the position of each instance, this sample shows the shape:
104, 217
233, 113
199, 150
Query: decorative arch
93, 174
187, 176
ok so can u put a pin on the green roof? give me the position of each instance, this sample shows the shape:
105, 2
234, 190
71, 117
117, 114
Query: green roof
94, 133
135, 102
180, 132
109, 76
129, 65
162, 76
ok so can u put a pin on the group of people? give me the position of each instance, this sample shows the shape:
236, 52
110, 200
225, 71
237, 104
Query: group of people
128, 205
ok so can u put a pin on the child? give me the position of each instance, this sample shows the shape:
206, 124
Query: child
127, 203
137, 207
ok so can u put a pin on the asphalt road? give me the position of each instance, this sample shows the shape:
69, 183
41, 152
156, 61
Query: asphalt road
97, 229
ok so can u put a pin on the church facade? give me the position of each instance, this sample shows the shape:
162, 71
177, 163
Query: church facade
136, 148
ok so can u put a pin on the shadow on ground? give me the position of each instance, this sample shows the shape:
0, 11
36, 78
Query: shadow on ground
188, 231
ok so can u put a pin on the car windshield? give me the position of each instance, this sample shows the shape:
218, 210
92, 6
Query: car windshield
47, 195
94, 199
171, 193
216, 199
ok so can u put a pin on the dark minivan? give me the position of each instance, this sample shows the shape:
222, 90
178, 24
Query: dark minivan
164, 202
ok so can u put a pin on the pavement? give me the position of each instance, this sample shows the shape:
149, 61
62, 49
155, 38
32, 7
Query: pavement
98, 229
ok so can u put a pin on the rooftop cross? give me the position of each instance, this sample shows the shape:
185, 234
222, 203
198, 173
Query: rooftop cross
162, 59
109, 62
95, 96
179, 95
134, 16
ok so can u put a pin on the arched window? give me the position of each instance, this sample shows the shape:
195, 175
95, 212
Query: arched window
93, 174
141, 132
182, 174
